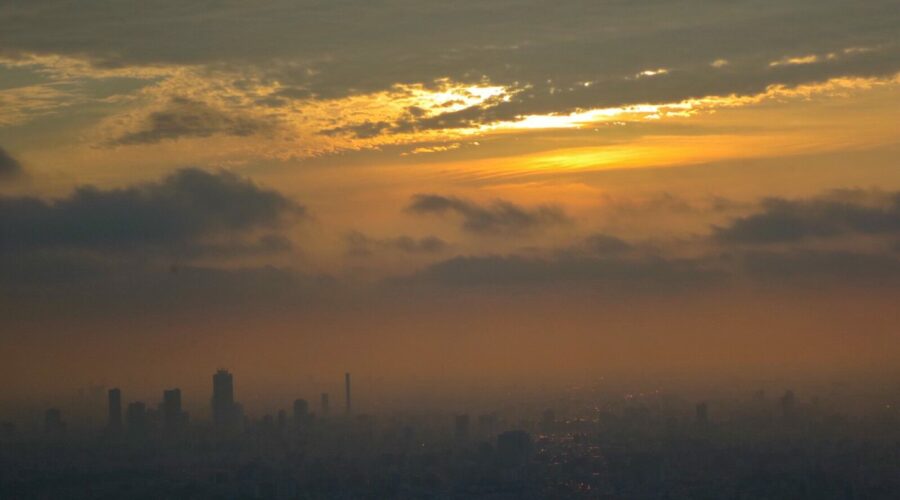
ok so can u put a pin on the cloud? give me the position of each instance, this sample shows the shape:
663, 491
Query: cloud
806, 266
78, 285
268, 244
365, 130
546, 52
604, 244
496, 217
10, 168
191, 239
185, 208
184, 118
649, 274
361, 245
836, 213
428, 244
824, 232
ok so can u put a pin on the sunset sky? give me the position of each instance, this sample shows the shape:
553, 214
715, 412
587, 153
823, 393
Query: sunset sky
469, 191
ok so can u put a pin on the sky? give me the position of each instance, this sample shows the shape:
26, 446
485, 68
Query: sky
483, 192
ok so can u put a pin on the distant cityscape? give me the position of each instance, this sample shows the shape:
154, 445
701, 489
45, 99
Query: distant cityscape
643, 445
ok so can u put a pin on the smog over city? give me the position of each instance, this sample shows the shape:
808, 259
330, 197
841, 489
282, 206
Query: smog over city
475, 249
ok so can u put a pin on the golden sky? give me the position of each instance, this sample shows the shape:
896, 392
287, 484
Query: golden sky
303, 168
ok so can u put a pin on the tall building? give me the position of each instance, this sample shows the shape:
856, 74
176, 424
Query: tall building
114, 397
461, 427
347, 390
136, 419
702, 413
514, 448
301, 412
53, 423
172, 415
325, 408
282, 420
224, 411
787, 404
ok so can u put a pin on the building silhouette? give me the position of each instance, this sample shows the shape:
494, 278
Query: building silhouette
461, 427
53, 423
787, 403
347, 391
282, 420
702, 413
325, 407
225, 412
114, 398
174, 419
301, 413
137, 420
514, 448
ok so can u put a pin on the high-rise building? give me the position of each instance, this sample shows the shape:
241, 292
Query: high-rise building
461, 427
282, 420
301, 413
487, 424
136, 419
53, 423
224, 412
172, 415
347, 390
702, 413
114, 397
325, 407
787, 404
514, 448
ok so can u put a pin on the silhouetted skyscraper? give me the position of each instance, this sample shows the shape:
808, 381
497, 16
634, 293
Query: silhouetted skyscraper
325, 408
114, 397
787, 404
486, 425
461, 427
53, 423
702, 413
347, 389
514, 448
173, 417
282, 420
136, 418
301, 412
224, 413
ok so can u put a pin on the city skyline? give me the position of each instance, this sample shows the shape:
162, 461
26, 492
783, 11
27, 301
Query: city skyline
480, 248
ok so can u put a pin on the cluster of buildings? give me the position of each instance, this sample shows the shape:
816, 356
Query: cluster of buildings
169, 417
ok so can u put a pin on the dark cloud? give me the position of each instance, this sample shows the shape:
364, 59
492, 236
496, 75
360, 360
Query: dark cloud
268, 244
184, 118
607, 262
496, 217
545, 50
150, 248
656, 273
363, 130
361, 245
186, 207
78, 285
604, 244
837, 213
10, 168
813, 267
650, 274
428, 244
